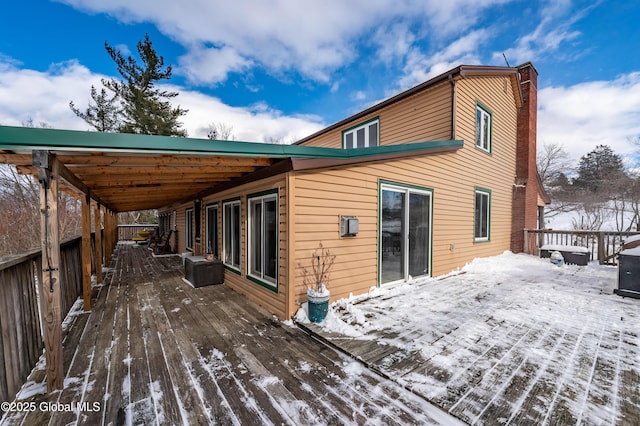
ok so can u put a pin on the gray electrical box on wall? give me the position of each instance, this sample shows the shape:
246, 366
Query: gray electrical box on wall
349, 226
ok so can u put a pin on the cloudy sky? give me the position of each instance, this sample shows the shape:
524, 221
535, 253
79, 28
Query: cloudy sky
282, 69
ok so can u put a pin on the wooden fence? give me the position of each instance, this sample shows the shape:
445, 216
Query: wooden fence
21, 341
127, 232
602, 245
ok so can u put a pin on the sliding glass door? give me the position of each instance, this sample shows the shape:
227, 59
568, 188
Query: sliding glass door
405, 228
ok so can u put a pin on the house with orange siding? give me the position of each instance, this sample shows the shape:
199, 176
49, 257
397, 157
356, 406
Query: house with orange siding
413, 187
440, 174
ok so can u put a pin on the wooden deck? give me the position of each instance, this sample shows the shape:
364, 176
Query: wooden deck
154, 350
547, 355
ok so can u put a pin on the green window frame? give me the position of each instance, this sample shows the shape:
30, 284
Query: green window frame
231, 224
482, 215
188, 225
405, 246
363, 135
484, 122
262, 239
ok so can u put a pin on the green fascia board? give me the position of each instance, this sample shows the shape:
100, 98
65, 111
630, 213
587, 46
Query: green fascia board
395, 149
27, 138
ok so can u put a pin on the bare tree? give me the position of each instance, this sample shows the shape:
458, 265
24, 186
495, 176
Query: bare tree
552, 161
19, 209
591, 217
280, 140
220, 131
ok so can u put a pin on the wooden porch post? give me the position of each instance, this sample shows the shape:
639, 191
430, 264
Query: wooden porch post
108, 234
98, 232
115, 229
86, 252
50, 292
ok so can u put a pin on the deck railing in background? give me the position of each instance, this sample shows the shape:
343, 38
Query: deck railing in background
602, 245
21, 341
127, 232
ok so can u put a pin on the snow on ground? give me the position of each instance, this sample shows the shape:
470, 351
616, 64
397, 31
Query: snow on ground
564, 323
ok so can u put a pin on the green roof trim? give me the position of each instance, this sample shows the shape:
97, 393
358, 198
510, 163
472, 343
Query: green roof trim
26, 138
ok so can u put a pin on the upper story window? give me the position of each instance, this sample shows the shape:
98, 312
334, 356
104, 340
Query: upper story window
362, 136
483, 128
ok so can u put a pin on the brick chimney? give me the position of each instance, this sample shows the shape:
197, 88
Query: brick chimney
525, 188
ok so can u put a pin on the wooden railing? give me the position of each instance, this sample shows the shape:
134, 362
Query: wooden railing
127, 232
21, 341
602, 245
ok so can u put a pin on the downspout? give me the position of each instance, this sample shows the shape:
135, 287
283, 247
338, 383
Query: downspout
453, 106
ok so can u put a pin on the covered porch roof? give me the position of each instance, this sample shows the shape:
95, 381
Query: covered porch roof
127, 172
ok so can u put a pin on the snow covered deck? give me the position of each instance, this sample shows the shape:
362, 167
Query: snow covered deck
512, 340
156, 351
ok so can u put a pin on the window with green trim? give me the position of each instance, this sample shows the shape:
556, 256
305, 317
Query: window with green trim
482, 214
188, 229
362, 136
263, 238
231, 233
483, 128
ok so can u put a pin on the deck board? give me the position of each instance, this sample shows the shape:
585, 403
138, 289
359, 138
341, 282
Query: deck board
155, 350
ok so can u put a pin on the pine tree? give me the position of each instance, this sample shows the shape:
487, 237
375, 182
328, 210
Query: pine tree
137, 105
145, 108
599, 168
103, 114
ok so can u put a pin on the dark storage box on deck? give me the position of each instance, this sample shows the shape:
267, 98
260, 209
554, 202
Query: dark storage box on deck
570, 257
628, 276
201, 272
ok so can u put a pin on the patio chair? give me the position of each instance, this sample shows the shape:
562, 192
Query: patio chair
163, 246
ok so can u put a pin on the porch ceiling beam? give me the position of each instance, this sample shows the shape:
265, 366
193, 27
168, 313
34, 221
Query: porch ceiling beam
120, 194
174, 160
116, 187
149, 197
16, 159
141, 180
156, 170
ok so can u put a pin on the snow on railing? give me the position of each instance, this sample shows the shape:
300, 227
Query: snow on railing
602, 245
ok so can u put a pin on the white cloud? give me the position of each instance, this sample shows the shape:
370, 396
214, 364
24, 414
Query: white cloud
582, 116
211, 65
313, 37
421, 67
44, 97
553, 31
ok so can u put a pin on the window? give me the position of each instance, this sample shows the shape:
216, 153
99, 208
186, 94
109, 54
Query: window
212, 230
188, 229
482, 214
231, 234
361, 136
263, 238
483, 128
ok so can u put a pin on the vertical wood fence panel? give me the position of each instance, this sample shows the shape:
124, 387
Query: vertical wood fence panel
20, 318
21, 342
